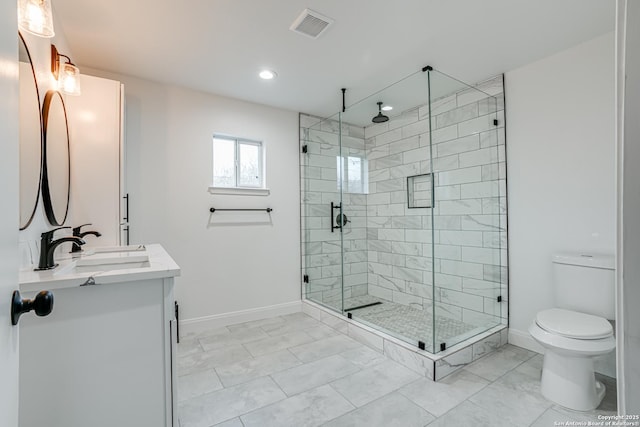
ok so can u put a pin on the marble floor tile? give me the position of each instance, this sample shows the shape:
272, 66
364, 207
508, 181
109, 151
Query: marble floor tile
210, 359
255, 324
321, 331
391, 410
232, 338
222, 405
277, 343
552, 418
324, 348
187, 347
374, 382
468, 414
308, 409
293, 322
364, 356
231, 423
440, 397
515, 397
197, 384
249, 369
197, 334
498, 363
532, 367
314, 374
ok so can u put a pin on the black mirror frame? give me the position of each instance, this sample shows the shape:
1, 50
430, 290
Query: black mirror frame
46, 192
40, 177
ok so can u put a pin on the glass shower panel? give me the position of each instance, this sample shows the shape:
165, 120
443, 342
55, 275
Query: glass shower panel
469, 208
321, 175
387, 258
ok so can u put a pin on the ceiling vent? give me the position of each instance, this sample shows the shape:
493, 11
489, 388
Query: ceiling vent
311, 24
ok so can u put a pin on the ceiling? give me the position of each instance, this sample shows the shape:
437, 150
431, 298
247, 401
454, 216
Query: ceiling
219, 46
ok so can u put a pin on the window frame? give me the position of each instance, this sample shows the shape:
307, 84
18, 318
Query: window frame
237, 188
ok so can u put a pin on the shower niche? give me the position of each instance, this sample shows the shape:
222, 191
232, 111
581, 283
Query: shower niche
419, 170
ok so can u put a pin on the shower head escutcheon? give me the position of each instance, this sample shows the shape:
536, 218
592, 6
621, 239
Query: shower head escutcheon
380, 118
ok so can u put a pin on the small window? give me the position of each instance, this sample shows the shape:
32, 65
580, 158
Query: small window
352, 174
237, 163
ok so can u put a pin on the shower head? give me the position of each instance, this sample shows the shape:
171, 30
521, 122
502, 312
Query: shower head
380, 118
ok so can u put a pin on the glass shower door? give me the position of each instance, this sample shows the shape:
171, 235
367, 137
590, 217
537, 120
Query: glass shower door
469, 208
321, 198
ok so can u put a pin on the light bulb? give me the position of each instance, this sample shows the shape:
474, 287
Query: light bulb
35, 17
69, 79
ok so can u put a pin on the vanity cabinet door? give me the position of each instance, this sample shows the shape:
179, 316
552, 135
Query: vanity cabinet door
97, 156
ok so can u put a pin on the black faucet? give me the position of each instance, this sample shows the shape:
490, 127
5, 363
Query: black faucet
48, 247
76, 232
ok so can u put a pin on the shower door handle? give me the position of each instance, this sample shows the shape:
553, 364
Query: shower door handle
340, 223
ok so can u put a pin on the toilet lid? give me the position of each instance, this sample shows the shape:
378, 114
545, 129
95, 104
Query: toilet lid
572, 324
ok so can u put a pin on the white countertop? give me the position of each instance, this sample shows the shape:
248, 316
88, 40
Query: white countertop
67, 275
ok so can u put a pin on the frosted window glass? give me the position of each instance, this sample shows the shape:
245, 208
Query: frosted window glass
224, 159
249, 165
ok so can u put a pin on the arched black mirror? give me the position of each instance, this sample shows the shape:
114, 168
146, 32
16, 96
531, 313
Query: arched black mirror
30, 137
56, 171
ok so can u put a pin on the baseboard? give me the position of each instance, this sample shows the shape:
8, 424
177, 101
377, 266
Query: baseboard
220, 320
524, 340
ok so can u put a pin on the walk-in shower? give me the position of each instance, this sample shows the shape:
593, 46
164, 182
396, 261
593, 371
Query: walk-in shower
404, 220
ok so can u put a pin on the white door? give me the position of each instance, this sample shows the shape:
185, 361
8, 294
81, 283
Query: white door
8, 211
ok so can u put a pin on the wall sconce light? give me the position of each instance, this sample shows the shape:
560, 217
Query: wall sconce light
35, 17
66, 73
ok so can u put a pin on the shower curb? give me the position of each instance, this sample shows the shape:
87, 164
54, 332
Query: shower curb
432, 366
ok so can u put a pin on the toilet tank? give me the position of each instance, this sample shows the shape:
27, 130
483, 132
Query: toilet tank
585, 283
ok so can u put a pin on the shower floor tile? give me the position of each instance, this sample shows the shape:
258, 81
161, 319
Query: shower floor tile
406, 322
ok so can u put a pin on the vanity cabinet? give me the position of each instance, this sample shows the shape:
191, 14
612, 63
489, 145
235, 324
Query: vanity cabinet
105, 356
97, 157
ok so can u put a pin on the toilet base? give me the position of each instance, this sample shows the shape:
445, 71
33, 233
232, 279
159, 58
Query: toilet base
571, 382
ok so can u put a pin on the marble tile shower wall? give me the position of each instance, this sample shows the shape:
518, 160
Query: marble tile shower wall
321, 259
469, 223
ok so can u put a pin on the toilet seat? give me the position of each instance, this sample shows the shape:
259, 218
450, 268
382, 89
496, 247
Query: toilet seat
572, 346
572, 324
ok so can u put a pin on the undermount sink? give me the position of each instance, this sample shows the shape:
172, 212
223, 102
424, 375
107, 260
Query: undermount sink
111, 258
110, 249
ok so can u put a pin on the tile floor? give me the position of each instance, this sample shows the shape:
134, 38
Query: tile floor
295, 371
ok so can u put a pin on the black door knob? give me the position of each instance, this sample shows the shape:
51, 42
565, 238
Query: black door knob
42, 304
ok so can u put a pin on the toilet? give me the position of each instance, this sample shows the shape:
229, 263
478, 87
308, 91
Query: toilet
577, 330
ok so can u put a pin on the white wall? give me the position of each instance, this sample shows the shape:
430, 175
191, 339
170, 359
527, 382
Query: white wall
225, 268
560, 177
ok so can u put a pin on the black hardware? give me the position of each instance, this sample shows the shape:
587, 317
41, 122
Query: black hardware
305, 278
126, 208
344, 108
76, 232
495, 122
42, 304
342, 220
421, 345
362, 306
212, 210
499, 299
48, 247
349, 316
334, 207
427, 68
443, 346
176, 306
304, 149
128, 233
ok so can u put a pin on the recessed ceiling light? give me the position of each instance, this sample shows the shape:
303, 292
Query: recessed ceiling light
267, 74
387, 108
